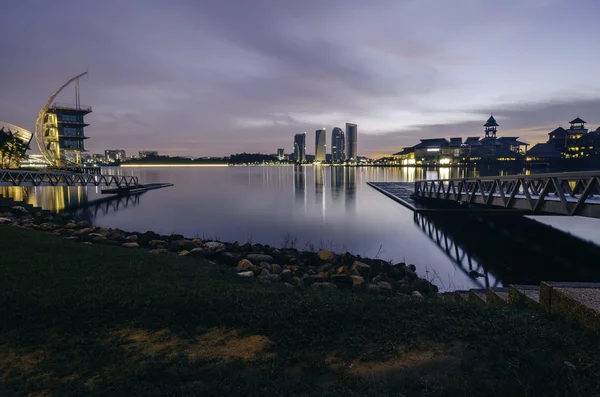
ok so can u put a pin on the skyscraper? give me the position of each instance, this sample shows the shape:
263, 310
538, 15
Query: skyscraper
280, 154
320, 145
351, 142
300, 148
338, 145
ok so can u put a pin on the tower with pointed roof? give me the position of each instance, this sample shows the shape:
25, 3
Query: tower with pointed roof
490, 127
577, 124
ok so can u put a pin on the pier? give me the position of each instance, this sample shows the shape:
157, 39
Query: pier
62, 178
567, 193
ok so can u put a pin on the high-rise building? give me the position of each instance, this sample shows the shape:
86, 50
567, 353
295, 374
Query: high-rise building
280, 154
338, 145
320, 145
63, 125
300, 148
148, 153
351, 142
114, 155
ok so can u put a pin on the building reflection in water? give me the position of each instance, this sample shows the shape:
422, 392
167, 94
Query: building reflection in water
52, 198
510, 249
300, 184
350, 186
337, 182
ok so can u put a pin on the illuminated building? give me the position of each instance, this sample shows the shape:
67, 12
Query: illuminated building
15, 142
320, 145
351, 142
300, 148
147, 153
338, 145
113, 155
66, 122
280, 154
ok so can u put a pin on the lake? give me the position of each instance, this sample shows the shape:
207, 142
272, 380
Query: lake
314, 207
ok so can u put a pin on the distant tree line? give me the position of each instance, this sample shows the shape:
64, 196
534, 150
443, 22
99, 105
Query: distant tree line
253, 158
176, 160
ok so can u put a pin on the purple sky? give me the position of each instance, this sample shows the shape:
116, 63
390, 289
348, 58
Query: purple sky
206, 78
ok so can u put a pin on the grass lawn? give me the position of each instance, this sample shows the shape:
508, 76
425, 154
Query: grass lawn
79, 319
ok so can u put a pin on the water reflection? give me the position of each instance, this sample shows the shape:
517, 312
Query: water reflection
510, 249
53, 198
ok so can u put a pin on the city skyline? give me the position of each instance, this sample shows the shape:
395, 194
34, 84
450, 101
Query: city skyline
267, 77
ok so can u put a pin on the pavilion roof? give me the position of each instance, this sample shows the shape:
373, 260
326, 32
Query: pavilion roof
577, 121
491, 122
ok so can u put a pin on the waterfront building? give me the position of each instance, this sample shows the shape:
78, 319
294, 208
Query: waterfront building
351, 142
441, 151
300, 148
113, 155
98, 158
320, 145
147, 153
280, 154
64, 127
338, 145
573, 143
34, 161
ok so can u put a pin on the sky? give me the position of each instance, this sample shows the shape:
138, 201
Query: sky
212, 78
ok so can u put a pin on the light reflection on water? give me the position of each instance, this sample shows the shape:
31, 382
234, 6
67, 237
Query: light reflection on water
320, 206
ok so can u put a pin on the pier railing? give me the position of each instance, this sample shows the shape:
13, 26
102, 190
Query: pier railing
40, 178
568, 193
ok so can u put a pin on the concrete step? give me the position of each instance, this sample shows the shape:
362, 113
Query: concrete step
524, 295
461, 296
497, 297
478, 297
577, 303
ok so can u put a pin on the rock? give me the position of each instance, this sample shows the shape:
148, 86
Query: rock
88, 243
265, 273
82, 225
286, 274
297, 281
196, 252
228, 258
99, 239
184, 253
258, 258
326, 267
404, 288
379, 277
213, 246
187, 245
409, 273
17, 209
72, 238
341, 279
95, 235
309, 280
385, 287
288, 285
265, 265
197, 241
324, 285
275, 277
374, 288
148, 237
362, 268
276, 269
155, 243
246, 274
425, 287
417, 294
130, 245
4, 221
325, 255
244, 265
81, 232
131, 238
357, 281
175, 237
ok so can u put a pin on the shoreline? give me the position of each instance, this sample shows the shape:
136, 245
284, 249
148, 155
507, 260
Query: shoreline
287, 265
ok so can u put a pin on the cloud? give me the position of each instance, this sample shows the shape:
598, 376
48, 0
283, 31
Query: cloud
218, 77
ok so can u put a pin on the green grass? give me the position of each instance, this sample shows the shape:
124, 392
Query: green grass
80, 319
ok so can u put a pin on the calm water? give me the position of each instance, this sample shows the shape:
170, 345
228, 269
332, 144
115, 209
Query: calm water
333, 207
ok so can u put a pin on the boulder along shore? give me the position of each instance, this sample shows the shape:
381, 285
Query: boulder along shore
294, 268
